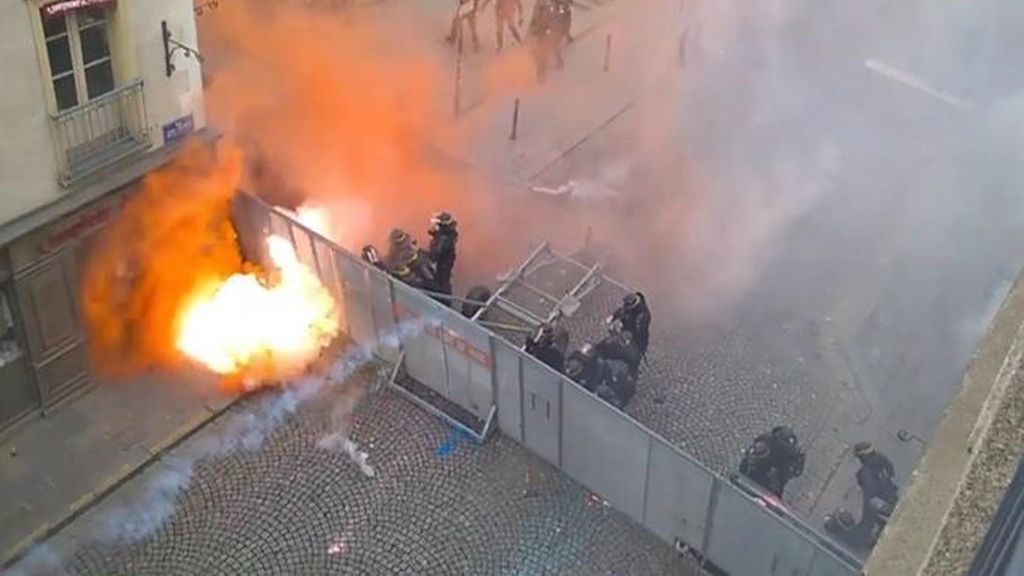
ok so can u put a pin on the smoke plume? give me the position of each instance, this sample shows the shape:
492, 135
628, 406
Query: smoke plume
173, 236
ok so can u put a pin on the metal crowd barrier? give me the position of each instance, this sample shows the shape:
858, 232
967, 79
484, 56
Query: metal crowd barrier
635, 470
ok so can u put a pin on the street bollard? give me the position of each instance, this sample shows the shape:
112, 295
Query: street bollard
607, 52
515, 121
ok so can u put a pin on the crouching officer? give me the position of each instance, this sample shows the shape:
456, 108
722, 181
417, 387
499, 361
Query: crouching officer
619, 345
609, 379
400, 244
879, 495
549, 344
773, 459
444, 235
635, 317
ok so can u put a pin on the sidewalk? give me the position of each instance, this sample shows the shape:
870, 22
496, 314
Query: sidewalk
56, 467
554, 117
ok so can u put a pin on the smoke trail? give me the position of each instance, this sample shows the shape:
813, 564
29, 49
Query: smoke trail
248, 431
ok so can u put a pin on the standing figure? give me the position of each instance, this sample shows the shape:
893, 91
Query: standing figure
773, 459
563, 21
542, 31
635, 317
506, 14
548, 344
465, 12
444, 235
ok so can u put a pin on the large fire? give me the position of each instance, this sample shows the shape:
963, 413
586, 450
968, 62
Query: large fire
243, 326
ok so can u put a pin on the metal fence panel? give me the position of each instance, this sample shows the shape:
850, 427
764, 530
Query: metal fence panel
678, 495
470, 377
826, 564
303, 247
280, 226
747, 539
382, 309
424, 353
356, 292
329, 276
251, 220
541, 403
603, 450
509, 397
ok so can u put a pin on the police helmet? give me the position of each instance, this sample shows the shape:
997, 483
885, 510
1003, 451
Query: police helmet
398, 236
442, 219
862, 449
632, 300
844, 519
759, 449
574, 368
588, 351
784, 434
542, 333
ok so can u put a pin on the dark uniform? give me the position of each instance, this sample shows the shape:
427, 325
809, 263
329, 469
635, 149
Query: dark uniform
619, 345
444, 235
548, 344
875, 476
419, 264
773, 459
879, 495
635, 317
609, 379
506, 12
400, 244
406, 275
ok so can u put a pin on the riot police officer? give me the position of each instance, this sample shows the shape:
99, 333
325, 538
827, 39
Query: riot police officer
444, 235
635, 317
609, 379
773, 459
548, 344
400, 244
619, 345
876, 474
418, 263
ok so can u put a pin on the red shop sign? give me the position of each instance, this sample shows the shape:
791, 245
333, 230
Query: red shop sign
54, 9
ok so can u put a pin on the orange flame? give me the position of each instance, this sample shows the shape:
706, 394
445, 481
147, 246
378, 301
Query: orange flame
241, 326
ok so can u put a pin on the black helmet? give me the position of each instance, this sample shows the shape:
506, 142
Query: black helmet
398, 236
784, 435
574, 368
632, 300
542, 333
861, 449
442, 219
759, 449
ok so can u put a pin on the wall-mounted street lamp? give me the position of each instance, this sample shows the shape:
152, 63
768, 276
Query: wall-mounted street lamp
171, 46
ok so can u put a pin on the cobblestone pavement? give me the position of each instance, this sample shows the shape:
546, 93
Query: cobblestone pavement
437, 504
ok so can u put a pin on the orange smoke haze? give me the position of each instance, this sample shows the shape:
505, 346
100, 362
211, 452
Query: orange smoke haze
173, 235
336, 110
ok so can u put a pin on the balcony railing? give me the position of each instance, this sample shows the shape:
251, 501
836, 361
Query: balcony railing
101, 131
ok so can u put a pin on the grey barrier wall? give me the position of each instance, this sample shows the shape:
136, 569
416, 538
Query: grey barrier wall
634, 469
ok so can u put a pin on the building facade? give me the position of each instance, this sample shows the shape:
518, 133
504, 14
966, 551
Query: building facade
98, 92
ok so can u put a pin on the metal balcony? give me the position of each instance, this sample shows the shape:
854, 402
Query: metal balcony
100, 132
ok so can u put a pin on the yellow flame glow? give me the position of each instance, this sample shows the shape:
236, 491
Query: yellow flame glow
242, 326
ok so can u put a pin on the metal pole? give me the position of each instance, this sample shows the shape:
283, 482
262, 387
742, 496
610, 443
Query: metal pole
607, 52
457, 104
515, 121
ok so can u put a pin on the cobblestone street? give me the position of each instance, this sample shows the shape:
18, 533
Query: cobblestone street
438, 504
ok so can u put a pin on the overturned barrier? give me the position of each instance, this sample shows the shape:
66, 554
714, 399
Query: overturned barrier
484, 375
